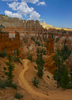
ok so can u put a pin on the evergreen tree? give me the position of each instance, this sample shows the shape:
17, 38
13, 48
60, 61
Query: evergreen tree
52, 35
40, 64
1, 26
61, 71
10, 69
65, 52
65, 79
17, 52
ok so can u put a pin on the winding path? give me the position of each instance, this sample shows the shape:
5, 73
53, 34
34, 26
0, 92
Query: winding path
24, 83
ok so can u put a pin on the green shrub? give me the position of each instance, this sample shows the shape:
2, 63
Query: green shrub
38, 43
18, 52
64, 32
35, 82
17, 59
57, 39
43, 51
5, 83
1, 26
14, 85
4, 68
3, 54
40, 71
32, 38
35, 67
18, 95
24, 41
48, 76
2, 76
2, 84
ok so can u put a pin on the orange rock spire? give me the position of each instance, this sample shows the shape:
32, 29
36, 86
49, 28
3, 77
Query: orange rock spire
49, 45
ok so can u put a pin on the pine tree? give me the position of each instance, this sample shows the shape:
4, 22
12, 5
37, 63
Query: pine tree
61, 73
65, 52
40, 64
10, 69
65, 79
1, 26
17, 52
58, 62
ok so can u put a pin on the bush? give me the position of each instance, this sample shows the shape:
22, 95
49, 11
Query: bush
32, 38
5, 83
40, 71
18, 95
48, 76
4, 68
17, 52
17, 59
14, 85
35, 82
24, 41
38, 43
43, 51
3, 54
2, 76
35, 67
1, 26
2, 84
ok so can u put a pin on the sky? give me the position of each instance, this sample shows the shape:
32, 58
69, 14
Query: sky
57, 13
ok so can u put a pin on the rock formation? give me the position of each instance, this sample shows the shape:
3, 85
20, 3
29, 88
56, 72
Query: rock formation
49, 45
50, 52
10, 42
21, 26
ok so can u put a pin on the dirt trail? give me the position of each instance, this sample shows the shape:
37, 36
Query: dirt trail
24, 83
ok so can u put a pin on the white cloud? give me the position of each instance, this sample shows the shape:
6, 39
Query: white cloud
31, 1
9, 0
10, 14
34, 16
41, 3
13, 5
22, 8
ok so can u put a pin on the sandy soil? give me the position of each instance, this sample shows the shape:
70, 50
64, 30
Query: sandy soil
24, 74
47, 89
25, 84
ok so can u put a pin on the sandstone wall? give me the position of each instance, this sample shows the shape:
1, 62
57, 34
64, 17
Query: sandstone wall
10, 44
22, 26
49, 45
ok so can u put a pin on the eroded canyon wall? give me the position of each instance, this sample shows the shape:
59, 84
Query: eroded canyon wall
22, 26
